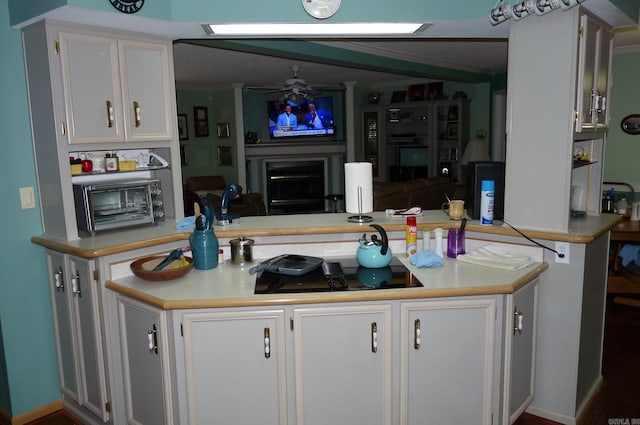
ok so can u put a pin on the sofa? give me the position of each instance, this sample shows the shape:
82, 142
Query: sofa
428, 193
209, 189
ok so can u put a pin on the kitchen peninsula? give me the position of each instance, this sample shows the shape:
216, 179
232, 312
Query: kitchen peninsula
183, 351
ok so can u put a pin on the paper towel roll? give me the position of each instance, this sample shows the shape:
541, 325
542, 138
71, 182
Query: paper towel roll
358, 178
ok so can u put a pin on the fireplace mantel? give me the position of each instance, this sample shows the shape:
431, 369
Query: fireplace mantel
292, 149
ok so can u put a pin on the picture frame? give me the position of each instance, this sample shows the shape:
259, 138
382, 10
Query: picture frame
201, 121
452, 131
416, 92
225, 155
183, 130
224, 130
399, 96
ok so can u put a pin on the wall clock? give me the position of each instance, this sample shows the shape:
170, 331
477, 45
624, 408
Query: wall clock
321, 9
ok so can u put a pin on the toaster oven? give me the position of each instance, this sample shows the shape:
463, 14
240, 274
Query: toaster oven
117, 204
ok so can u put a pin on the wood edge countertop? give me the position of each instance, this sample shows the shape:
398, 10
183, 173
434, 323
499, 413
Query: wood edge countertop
582, 230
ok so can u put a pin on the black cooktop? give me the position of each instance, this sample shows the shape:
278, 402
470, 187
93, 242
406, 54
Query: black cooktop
342, 274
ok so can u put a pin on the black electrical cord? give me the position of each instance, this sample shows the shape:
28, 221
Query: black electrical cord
559, 254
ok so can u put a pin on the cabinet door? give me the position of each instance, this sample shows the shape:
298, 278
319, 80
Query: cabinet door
88, 336
147, 91
63, 323
235, 367
144, 347
91, 85
520, 337
342, 361
605, 49
447, 362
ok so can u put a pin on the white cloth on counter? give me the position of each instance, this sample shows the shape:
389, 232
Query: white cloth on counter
497, 257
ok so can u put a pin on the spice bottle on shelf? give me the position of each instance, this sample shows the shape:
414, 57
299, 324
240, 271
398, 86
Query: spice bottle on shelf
111, 162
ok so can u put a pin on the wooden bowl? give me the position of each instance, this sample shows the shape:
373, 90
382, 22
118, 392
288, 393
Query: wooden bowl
142, 268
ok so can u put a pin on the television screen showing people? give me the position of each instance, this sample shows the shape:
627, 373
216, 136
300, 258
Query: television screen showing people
306, 119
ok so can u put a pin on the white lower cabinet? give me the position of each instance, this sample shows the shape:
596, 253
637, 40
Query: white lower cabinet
447, 358
145, 363
519, 345
343, 361
234, 367
79, 342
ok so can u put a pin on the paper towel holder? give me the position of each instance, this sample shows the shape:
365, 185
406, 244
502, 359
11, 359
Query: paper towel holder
360, 218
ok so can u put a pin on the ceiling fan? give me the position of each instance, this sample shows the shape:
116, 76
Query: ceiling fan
295, 89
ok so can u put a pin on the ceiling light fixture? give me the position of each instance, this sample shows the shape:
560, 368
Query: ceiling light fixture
504, 11
500, 13
284, 29
523, 9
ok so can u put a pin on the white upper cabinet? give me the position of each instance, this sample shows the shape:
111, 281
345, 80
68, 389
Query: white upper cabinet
594, 70
115, 90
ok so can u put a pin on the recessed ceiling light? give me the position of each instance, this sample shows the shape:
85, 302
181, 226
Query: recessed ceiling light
359, 28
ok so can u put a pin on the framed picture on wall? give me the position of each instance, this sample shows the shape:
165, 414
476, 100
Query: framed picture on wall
201, 121
183, 130
223, 130
225, 155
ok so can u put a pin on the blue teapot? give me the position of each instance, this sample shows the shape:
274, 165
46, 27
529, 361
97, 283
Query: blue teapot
374, 253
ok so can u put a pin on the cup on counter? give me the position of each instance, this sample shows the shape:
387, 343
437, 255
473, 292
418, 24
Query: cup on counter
455, 243
454, 209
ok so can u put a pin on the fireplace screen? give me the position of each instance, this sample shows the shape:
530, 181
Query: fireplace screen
295, 187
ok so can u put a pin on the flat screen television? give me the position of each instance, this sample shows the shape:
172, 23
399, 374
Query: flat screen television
302, 124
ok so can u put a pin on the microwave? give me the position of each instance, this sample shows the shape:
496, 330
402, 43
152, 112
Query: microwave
117, 204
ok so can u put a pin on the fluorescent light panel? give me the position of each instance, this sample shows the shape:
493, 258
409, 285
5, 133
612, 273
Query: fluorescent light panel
361, 28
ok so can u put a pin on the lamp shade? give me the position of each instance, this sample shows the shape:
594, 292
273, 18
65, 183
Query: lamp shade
358, 182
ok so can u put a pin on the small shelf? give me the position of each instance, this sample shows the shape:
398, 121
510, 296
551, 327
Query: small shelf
103, 173
577, 163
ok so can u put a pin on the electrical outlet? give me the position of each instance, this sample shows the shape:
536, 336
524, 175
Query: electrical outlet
562, 248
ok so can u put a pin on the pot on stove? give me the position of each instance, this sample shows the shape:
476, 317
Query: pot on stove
374, 253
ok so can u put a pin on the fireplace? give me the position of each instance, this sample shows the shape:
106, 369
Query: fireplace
295, 187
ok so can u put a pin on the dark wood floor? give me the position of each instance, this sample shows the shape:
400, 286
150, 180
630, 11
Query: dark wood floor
618, 398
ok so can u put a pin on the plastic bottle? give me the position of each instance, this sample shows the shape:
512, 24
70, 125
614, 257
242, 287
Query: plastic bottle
438, 235
412, 236
487, 197
204, 246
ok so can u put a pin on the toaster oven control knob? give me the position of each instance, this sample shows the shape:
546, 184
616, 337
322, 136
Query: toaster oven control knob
158, 214
156, 191
157, 202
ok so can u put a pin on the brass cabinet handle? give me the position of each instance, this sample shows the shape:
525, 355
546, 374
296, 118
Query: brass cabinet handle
267, 343
75, 285
374, 337
416, 334
518, 321
152, 337
58, 279
136, 113
109, 114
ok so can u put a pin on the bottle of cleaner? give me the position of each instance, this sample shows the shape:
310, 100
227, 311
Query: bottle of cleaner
487, 198
412, 236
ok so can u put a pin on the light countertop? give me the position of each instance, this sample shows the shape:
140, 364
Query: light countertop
231, 285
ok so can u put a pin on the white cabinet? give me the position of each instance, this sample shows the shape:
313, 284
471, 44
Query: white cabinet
145, 363
447, 361
519, 344
76, 315
235, 367
115, 89
98, 90
594, 70
343, 360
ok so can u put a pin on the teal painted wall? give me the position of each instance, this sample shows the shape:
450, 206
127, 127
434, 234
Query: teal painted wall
202, 152
622, 153
24, 296
25, 308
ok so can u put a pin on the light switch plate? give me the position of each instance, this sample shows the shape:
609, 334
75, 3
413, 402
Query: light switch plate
27, 198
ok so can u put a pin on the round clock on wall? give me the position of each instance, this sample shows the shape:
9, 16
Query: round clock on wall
321, 9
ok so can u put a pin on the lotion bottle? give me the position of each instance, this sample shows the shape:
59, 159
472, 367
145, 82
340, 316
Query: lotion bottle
487, 196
